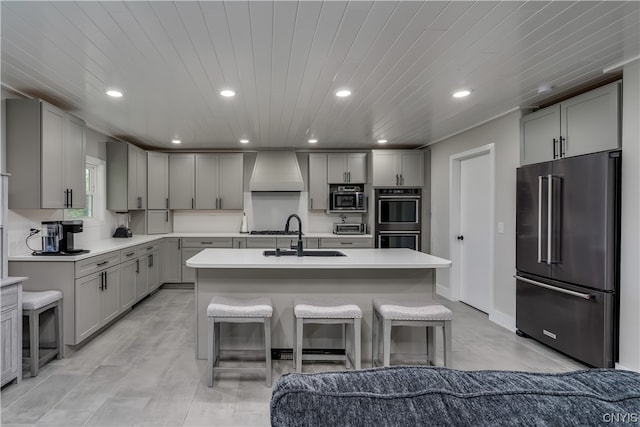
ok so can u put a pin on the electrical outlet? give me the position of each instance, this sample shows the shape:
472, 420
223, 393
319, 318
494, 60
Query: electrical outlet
501, 228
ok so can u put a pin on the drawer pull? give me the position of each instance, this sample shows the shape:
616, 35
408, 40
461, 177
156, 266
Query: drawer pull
149, 248
555, 288
206, 243
102, 263
130, 254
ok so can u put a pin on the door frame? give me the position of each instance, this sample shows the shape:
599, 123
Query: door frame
454, 217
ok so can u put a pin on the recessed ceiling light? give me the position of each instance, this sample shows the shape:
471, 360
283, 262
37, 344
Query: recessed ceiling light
244, 141
461, 93
176, 141
227, 93
114, 93
313, 141
343, 92
382, 141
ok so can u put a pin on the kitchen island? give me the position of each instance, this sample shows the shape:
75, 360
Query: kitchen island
358, 277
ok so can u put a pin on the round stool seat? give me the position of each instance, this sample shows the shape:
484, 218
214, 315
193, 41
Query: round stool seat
325, 309
239, 307
36, 300
394, 310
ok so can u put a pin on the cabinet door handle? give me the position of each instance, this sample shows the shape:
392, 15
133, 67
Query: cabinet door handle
349, 176
179, 246
139, 202
562, 141
150, 261
220, 207
71, 197
166, 216
397, 180
344, 176
102, 281
166, 202
401, 179
555, 151
192, 203
138, 266
311, 203
106, 281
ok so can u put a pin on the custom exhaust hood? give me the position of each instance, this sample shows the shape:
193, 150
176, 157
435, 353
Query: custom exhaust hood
276, 171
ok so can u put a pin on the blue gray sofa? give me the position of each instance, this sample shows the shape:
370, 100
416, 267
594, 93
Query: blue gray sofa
421, 396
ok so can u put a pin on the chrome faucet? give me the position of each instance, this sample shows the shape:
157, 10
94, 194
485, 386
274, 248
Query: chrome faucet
286, 230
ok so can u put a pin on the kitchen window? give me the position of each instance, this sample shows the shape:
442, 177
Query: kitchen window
95, 192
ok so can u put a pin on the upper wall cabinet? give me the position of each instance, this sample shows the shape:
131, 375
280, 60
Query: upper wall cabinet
157, 180
126, 177
584, 124
347, 168
45, 156
318, 185
206, 181
398, 168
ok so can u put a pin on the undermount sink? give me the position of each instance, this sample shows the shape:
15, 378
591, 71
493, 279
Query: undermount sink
290, 252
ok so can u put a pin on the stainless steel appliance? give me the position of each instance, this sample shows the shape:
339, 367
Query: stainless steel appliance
349, 228
123, 230
567, 255
347, 199
398, 218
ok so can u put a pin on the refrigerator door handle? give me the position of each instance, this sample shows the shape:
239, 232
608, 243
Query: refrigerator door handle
540, 187
549, 218
555, 288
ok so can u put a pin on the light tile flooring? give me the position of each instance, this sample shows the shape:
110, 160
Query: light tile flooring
142, 371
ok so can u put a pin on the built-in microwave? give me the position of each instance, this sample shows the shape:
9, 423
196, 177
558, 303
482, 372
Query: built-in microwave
347, 200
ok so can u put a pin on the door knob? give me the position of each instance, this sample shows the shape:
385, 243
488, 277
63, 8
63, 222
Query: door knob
460, 237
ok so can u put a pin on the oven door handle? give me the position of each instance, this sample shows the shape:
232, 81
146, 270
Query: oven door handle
408, 198
398, 232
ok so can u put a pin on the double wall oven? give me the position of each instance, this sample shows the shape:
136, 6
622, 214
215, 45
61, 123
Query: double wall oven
398, 218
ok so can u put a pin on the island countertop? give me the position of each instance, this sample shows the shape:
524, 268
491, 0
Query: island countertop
354, 259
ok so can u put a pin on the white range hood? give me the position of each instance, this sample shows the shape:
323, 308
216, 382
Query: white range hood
276, 171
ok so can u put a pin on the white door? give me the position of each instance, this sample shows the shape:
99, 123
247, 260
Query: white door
475, 232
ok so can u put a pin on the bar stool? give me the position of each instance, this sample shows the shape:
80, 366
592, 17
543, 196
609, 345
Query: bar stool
33, 304
237, 310
327, 311
391, 313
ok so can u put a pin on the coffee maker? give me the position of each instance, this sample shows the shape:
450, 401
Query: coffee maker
69, 228
57, 238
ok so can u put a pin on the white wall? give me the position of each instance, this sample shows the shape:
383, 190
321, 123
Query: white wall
504, 133
630, 242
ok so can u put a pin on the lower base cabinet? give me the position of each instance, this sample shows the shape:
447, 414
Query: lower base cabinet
10, 330
97, 301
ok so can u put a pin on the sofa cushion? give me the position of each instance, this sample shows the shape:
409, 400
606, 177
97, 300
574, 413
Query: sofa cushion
404, 395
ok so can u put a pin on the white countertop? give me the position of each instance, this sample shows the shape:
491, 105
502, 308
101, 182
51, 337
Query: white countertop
356, 258
7, 281
108, 245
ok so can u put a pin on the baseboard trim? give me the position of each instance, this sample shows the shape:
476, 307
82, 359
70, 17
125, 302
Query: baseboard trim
503, 320
624, 368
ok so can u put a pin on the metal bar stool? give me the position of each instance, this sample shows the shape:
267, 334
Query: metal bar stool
33, 304
237, 310
389, 313
327, 311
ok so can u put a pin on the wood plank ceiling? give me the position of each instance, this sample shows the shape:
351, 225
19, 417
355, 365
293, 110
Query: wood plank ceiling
286, 59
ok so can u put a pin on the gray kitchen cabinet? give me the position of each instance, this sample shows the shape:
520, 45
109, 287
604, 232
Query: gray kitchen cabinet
97, 301
219, 181
182, 181
159, 221
188, 273
584, 124
170, 253
262, 242
45, 149
318, 183
347, 168
157, 180
345, 242
147, 269
11, 333
128, 274
398, 168
193, 245
126, 177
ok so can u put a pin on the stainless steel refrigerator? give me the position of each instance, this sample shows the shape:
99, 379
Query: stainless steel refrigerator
567, 255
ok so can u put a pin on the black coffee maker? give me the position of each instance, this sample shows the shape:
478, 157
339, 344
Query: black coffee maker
69, 228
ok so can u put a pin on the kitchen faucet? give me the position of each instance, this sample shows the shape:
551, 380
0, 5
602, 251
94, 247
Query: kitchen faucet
286, 230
